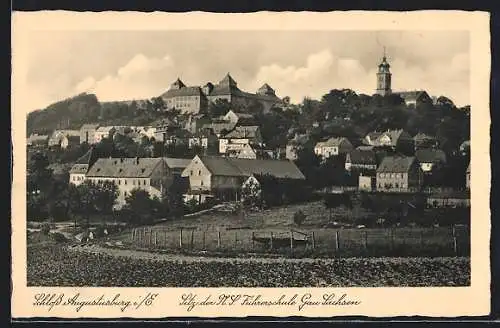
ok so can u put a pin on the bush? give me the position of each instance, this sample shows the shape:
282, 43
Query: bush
59, 237
299, 217
45, 228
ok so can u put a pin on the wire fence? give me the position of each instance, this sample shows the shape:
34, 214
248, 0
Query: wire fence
443, 241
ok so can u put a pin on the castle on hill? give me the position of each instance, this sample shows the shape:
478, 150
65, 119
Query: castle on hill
195, 99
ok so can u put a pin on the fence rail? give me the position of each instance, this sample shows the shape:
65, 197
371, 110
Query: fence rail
438, 241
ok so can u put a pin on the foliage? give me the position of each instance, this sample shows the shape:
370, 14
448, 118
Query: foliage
45, 229
251, 194
299, 217
58, 237
142, 208
218, 108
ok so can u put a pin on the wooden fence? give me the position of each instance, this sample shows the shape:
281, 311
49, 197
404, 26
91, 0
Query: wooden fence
403, 241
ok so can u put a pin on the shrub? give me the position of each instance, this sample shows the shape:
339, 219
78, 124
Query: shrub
299, 217
45, 228
59, 237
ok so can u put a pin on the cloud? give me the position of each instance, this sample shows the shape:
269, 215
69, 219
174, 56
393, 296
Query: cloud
323, 71
141, 77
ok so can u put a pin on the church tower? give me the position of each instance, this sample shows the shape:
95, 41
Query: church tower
384, 77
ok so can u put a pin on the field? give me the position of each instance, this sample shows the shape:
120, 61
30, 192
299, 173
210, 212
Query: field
271, 231
57, 266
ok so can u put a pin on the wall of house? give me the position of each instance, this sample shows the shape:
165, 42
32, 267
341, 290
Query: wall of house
199, 176
126, 185
365, 183
426, 167
186, 104
326, 151
448, 202
76, 178
291, 152
392, 181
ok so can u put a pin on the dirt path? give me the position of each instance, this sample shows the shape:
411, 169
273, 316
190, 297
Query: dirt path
136, 254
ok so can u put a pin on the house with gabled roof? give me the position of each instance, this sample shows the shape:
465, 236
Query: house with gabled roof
399, 174
239, 118
333, 147
222, 177
186, 99
79, 170
59, 135
241, 135
398, 140
37, 140
361, 160
415, 98
430, 159
422, 140
87, 132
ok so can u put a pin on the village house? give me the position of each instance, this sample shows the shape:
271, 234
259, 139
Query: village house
241, 135
37, 140
195, 122
239, 118
449, 199
399, 174
333, 147
367, 183
205, 139
154, 175
415, 98
220, 128
361, 160
59, 135
422, 140
236, 150
69, 141
430, 159
79, 170
104, 132
295, 145
222, 177
397, 140
87, 133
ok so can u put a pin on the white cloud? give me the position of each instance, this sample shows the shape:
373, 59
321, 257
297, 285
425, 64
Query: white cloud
323, 71
141, 77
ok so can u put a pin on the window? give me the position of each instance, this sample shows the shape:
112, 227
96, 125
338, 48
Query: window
199, 172
119, 182
201, 183
125, 181
145, 182
191, 173
138, 182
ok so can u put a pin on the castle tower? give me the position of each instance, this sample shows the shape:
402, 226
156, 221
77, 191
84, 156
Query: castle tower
384, 77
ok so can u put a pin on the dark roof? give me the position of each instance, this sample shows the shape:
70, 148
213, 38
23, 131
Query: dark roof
423, 137
396, 164
124, 167
184, 91
411, 95
219, 127
332, 142
367, 157
246, 167
430, 156
83, 163
176, 163
243, 132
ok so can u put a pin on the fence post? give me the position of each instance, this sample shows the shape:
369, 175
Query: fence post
313, 241
366, 239
192, 239
218, 239
180, 238
155, 240
133, 234
253, 240
392, 238
271, 240
235, 237
455, 248
337, 243
150, 237
291, 240
204, 232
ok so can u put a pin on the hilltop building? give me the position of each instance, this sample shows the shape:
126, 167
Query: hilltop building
195, 99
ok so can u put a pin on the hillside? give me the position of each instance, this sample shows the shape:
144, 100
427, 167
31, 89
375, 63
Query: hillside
84, 108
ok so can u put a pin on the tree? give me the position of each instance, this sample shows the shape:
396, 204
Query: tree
335, 200
251, 194
106, 193
218, 108
142, 207
299, 217
39, 174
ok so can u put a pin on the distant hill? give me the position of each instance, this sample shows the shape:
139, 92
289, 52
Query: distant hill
70, 113
84, 108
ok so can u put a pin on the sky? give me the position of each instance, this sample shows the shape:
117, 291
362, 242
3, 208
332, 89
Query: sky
126, 65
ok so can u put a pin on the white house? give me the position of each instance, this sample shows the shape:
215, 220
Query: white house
333, 147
